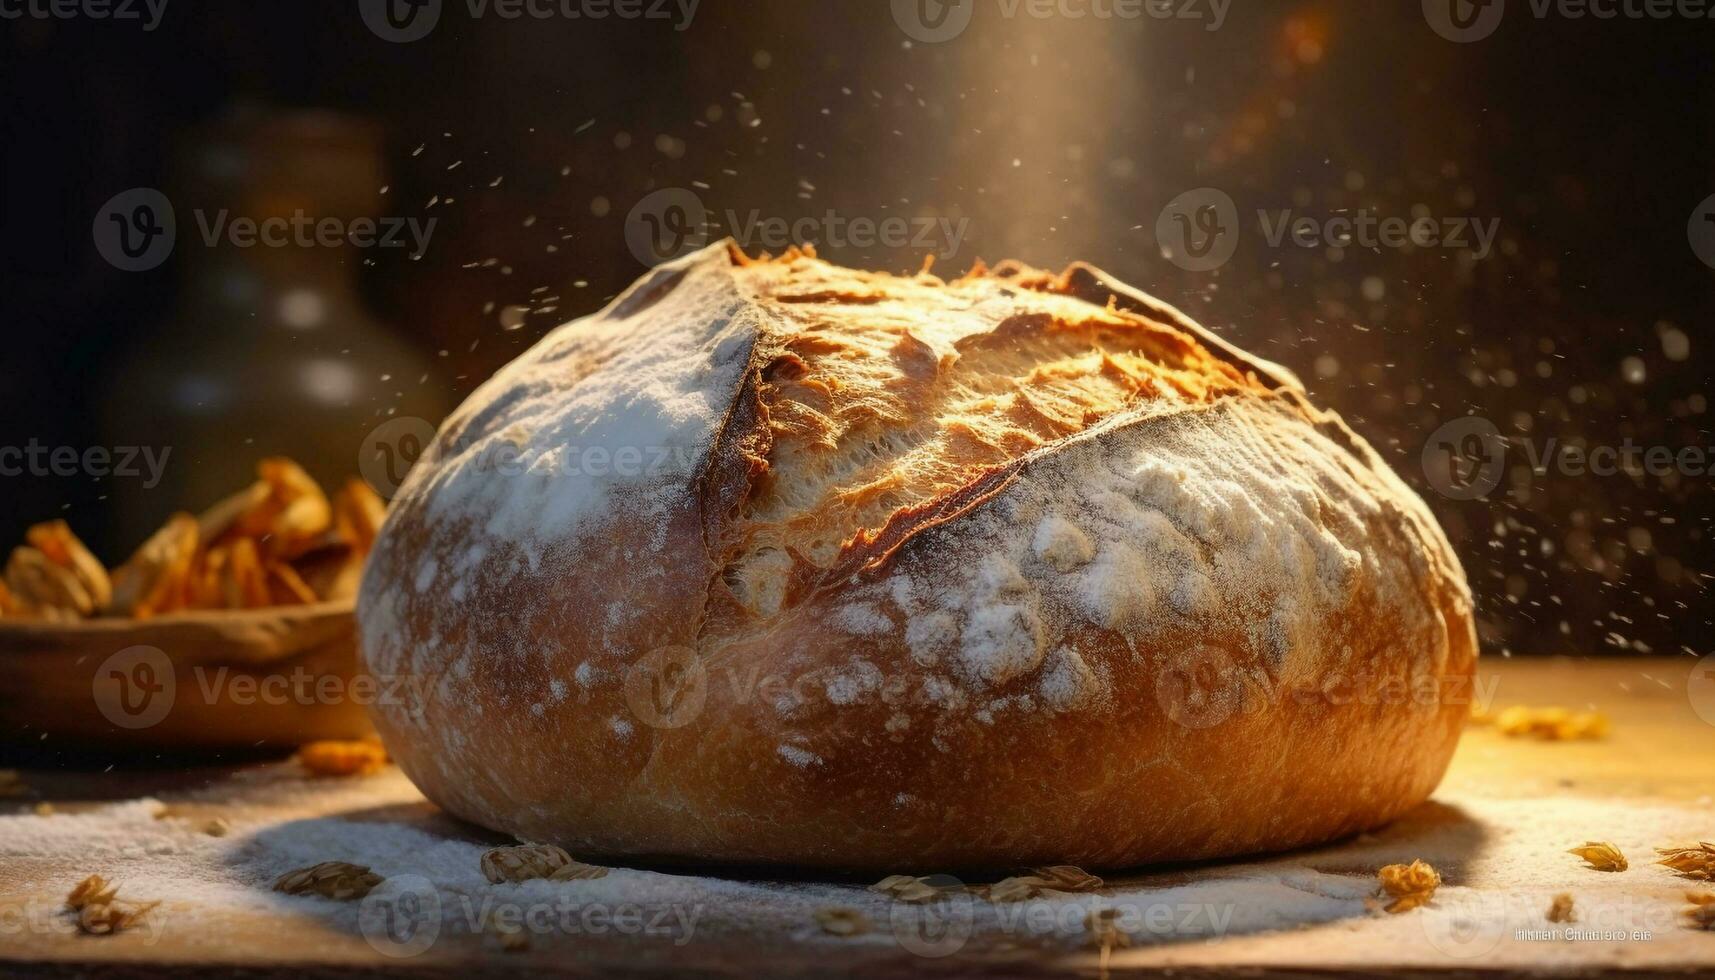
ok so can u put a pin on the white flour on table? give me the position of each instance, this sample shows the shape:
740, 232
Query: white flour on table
1502, 860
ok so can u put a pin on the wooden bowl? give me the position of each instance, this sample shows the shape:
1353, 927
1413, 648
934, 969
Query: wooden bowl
192, 681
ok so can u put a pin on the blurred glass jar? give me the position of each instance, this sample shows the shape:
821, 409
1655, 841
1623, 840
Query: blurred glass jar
270, 350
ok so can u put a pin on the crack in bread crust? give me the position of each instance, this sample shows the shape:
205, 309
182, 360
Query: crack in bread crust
887, 399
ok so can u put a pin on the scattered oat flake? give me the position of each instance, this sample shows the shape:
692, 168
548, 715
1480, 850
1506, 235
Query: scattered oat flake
579, 871
1702, 909
45, 809
106, 918
523, 862
1560, 910
357, 757
906, 888
1601, 855
1017, 889
1068, 878
217, 827
1105, 934
842, 922
12, 784
330, 879
1057, 878
94, 890
1691, 862
1552, 724
1409, 885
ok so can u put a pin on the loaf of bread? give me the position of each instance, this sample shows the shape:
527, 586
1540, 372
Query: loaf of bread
777, 562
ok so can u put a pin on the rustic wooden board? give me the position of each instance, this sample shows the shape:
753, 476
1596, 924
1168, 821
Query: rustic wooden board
1659, 760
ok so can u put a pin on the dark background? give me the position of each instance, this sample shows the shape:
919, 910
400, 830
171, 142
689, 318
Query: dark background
1591, 141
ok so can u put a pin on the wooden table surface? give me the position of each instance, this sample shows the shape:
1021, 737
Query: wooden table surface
1658, 759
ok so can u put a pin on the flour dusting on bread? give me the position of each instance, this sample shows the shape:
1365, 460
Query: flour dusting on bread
934, 556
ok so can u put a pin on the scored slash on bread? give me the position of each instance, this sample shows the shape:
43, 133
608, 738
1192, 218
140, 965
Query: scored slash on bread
1014, 569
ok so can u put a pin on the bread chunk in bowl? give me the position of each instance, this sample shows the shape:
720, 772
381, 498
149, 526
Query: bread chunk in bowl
777, 562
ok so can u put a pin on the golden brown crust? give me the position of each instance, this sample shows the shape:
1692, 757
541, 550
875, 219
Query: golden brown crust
1181, 614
